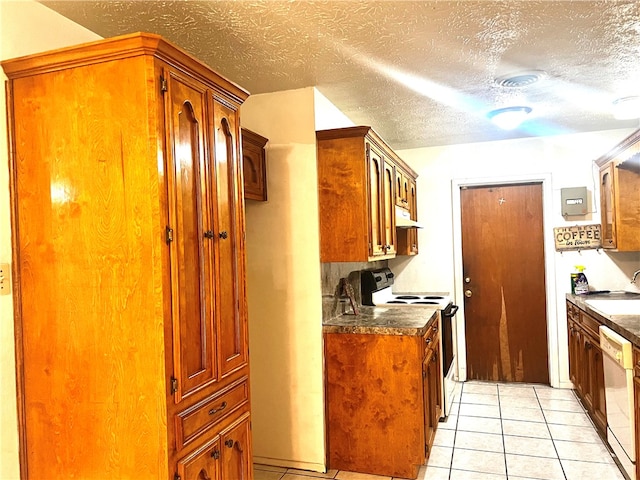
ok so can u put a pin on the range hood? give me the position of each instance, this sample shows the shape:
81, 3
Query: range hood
403, 219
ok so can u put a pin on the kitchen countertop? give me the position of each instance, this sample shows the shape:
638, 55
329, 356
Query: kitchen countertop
626, 325
384, 320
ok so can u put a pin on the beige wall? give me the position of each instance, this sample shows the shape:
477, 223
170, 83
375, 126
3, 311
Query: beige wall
25, 27
283, 281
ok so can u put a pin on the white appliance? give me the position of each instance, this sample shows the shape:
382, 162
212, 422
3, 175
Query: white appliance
376, 286
618, 381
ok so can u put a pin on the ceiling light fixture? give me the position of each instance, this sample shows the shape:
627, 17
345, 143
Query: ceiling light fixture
626, 108
509, 118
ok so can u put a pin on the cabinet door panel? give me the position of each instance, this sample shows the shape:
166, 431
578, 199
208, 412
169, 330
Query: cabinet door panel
203, 464
389, 208
236, 454
607, 207
191, 253
376, 218
229, 222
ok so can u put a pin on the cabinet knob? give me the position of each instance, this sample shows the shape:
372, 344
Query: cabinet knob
223, 235
215, 454
208, 234
229, 443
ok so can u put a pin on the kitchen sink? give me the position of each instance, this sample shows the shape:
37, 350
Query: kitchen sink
616, 306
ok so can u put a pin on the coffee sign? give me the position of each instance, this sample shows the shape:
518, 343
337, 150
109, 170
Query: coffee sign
578, 237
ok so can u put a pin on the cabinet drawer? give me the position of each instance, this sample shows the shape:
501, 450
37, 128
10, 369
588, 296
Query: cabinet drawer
431, 337
636, 361
573, 312
590, 324
199, 418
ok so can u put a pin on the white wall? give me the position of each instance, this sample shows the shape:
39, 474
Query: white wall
26, 27
568, 160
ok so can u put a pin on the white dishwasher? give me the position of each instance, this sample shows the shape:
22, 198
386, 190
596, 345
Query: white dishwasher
618, 381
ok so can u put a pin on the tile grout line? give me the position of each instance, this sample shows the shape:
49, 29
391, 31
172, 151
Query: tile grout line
553, 442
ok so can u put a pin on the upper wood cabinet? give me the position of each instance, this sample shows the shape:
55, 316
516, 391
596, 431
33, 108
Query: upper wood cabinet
254, 163
407, 238
357, 175
619, 197
128, 235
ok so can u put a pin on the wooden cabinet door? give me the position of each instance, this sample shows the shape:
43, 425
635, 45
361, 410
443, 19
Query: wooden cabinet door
598, 391
413, 210
236, 453
389, 208
636, 403
375, 172
587, 371
228, 230
189, 236
575, 354
607, 206
202, 464
431, 395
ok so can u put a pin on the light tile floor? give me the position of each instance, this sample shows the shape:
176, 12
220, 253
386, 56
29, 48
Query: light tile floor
500, 432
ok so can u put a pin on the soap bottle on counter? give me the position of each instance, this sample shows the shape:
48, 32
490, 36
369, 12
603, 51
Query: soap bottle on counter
579, 283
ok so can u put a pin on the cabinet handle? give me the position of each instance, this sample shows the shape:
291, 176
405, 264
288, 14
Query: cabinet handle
428, 341
215, 454
223, 235
588, 346
208, 234
215, 410
229, 443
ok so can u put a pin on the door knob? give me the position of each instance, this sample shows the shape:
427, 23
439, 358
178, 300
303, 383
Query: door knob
468, 293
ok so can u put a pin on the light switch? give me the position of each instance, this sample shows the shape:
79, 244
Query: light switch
5, 279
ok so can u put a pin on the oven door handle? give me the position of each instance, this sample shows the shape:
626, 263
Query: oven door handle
450, 311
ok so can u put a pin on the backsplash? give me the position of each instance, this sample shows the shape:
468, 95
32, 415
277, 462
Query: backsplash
333, 302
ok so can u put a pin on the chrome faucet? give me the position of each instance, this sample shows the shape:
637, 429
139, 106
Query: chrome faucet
634, 276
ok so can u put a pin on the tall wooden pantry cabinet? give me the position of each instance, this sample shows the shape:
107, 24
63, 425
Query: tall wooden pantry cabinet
129, 264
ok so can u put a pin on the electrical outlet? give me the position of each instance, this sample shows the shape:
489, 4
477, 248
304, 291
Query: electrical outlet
5, 279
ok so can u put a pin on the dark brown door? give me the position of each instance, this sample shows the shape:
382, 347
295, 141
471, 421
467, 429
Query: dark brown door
503, 271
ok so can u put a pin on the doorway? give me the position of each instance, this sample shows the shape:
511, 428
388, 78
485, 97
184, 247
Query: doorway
503, 271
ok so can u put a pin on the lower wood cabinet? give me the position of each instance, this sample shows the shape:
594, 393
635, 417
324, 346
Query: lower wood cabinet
226, 456
636, 403
383, 400
432, 385
585, 364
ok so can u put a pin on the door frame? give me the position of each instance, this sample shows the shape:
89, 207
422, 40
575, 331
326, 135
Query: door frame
553, 325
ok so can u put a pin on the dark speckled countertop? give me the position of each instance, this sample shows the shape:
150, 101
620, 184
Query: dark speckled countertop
626, 325
383, 320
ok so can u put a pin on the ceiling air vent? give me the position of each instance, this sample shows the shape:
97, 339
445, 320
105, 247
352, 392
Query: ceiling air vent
521, 79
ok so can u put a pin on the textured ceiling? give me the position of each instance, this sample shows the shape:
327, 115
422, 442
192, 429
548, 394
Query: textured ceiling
420, 72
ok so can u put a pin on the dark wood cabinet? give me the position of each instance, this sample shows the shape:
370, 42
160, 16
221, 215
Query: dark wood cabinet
636, 403
129, 256
383, 400
586, 364
432, 385
619, 199
254, 164
357, 194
